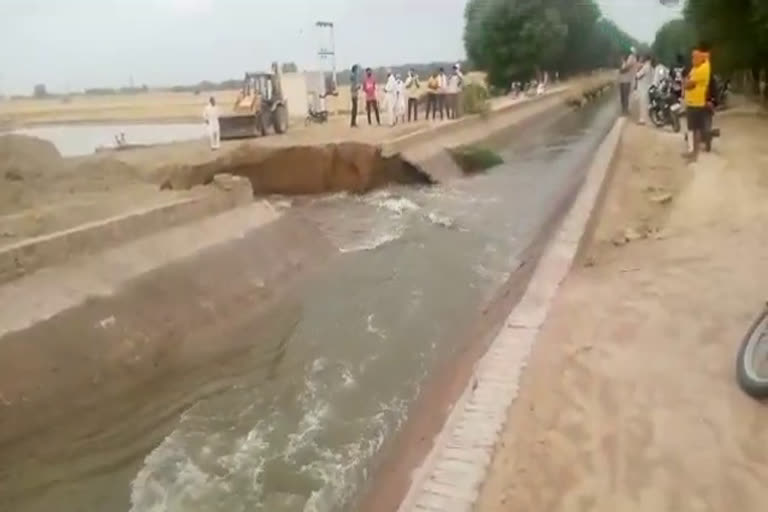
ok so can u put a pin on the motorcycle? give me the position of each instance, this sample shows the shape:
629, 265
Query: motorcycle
719, 92
664, 105
752, 361
718, 100
316, 116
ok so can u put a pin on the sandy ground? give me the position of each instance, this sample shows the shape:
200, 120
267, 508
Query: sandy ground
630, 401
154, 105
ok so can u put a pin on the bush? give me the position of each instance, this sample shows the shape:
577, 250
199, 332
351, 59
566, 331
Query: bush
473, 159
475, 98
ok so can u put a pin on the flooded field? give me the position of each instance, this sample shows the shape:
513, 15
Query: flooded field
84, 139
297, 418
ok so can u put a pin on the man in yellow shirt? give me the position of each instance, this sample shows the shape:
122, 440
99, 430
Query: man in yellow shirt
696, 87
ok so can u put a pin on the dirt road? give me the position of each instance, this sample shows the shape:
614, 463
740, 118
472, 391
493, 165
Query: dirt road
630, 401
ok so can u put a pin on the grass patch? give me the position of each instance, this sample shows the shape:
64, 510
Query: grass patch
475, 159
474, 98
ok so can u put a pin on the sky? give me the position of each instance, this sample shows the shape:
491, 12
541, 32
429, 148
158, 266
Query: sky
72, 44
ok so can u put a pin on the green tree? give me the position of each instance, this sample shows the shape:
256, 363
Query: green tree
737, 31
673, 38
581, 17
512, 39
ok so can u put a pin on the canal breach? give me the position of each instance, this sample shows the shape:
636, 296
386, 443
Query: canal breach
340, 324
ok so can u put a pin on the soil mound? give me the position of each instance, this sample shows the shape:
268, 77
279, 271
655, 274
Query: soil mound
33, 174
23, 157
99, 174
348, 166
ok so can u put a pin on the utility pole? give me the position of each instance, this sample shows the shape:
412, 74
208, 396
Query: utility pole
326, 52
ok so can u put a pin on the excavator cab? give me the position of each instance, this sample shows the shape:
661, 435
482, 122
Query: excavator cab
260, 105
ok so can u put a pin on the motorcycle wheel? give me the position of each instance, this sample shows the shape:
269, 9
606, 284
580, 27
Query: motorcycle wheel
656, 118
752, 361
708, 134
675, 120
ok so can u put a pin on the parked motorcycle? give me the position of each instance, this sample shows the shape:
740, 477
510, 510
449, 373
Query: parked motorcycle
717, 99
752, 361
316, 116
664, 105
719, 92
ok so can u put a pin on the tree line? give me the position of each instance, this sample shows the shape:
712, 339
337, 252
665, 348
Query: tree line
515, 40
735, 30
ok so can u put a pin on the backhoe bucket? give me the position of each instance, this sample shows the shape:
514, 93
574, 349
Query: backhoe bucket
239, 126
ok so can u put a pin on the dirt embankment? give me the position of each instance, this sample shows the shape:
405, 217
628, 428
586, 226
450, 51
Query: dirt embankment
349, 166
630, 400
41, 192
32, 167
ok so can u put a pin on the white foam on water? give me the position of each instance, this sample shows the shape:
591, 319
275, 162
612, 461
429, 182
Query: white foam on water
173, 479
199, 469
441, 220
398, 205
371, 328
170, 480
280, 203
309, 425
348, 378
332, 197
375, 240
343, 471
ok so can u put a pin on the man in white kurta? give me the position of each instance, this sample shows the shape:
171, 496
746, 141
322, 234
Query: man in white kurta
390, 96
211, 117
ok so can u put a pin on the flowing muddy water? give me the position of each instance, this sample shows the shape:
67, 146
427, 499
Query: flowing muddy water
298, 422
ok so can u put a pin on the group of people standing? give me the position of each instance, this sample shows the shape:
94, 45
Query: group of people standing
695, 80
401, 98
639, 73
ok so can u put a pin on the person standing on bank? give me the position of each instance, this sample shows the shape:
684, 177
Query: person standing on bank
453, 91
696, 87
644, 82
401, 100
371, 102
626, 79
442, 89
412, 87
433, 88
354, 91
211, 118
390, 98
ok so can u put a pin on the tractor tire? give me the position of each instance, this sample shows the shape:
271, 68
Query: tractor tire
280, 119
262, 122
